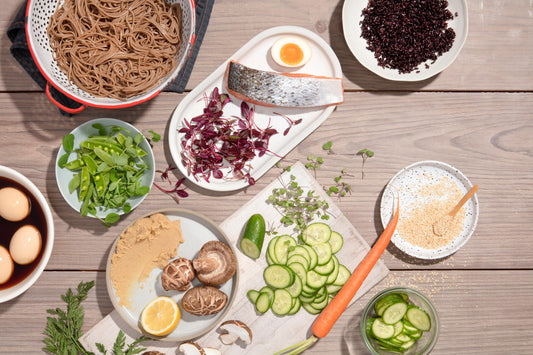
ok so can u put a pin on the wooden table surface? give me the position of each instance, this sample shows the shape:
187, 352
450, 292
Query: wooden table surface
477, 115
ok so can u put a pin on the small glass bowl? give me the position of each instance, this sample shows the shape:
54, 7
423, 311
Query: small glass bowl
425, 344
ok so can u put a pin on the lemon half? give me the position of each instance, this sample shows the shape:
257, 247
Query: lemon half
161, 316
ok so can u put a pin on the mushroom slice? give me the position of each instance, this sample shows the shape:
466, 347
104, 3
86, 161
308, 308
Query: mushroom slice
235, 329
216, 263
204, 300
177, 275
190, 348
212, 351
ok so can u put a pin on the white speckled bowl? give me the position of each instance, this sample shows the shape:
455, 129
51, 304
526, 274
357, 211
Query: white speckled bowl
402, 182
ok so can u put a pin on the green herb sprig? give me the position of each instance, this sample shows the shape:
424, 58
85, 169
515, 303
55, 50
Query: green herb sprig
63, 329
296, 206
341, 187
365, 153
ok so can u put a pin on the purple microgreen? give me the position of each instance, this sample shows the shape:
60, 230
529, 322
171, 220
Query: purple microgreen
175, 192
212, 143
290, 121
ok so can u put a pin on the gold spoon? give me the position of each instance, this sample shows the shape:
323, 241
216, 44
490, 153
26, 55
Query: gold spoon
441, 226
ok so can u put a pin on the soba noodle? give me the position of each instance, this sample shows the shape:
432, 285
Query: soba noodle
115, 48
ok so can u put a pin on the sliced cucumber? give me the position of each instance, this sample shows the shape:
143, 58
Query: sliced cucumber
382, 330
333, 275
278, 276
315, 280
263, 302
395, 312
298, 259
252, 295
310, 309
332, 289
270, 250
327, 268
296, 306
418, 318
282, 302
316, 233
336, 241
343, 276
323, 251
282, 247
296, 288
299, 270
302, 251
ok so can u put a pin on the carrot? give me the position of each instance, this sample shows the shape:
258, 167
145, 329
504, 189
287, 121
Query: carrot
327, 318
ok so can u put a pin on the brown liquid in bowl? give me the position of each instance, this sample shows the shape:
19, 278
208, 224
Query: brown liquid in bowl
7, 229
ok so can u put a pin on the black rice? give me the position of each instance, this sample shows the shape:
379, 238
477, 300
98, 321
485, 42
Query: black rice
406, 33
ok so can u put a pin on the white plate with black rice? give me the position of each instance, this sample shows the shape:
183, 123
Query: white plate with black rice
405, 40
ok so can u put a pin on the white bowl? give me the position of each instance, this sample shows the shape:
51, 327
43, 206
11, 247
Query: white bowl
352, 16
46, 249
405, 183
81, 133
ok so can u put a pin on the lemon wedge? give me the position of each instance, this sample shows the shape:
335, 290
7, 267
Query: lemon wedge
161, 316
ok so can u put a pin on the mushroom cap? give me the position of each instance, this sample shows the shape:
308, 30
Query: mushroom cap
204, 300
190, 348
235, 329
216, 263
177, 275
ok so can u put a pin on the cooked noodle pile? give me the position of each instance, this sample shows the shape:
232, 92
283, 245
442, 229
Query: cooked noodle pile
115, 48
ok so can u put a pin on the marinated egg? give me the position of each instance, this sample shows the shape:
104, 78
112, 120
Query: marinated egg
14, 204
6, 265
25, 245
291, 51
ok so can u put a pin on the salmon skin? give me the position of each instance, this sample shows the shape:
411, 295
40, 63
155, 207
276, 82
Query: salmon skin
266, 88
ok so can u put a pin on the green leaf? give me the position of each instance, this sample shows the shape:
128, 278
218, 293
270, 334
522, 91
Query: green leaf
68, 142
101, 129
63, 160
138, 138
111, 218
155, 137
327, 146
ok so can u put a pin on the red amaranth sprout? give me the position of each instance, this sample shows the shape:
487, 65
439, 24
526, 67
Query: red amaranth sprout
212, 142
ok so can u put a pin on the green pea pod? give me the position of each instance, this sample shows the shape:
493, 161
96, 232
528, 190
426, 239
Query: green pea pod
121, 139
90, 163
100, 185
85, 182
107, 147
74, 183
86, 201
106, 157
75, 164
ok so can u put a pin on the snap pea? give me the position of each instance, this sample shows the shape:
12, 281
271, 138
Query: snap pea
108, 170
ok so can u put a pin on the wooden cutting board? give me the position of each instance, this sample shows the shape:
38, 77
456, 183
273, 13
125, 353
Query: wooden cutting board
268, 329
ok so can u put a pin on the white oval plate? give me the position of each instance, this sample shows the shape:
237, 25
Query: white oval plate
81, 133
352, 16
404, 181
196, 231
256, 53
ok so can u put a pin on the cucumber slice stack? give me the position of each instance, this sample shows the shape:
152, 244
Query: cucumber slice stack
303, 273
398, 324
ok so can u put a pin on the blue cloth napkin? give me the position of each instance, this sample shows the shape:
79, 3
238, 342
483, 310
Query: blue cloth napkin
19, 49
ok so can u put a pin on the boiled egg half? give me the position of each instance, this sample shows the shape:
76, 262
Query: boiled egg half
291, 51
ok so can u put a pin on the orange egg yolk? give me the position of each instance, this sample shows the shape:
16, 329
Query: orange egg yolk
291, 54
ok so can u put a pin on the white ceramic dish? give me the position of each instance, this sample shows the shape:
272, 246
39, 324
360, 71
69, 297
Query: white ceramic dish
81, 133
404, 182
352, 16
196, 230
15, 290
256, 53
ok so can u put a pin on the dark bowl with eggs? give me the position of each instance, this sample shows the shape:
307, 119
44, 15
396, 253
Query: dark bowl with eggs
27, 236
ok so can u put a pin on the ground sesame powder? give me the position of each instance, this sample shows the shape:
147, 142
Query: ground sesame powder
437, 198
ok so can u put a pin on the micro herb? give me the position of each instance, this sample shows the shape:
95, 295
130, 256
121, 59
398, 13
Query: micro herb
314, 163
120, 343
63, 328
296, 206
212, 142
290, 121
108, 170
155, 136
175, 192
327, 147
365, 154
341, 188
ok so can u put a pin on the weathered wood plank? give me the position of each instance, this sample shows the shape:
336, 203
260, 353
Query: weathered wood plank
485, 135
489, 306
496, 57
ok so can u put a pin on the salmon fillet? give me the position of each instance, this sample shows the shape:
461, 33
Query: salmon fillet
266, 88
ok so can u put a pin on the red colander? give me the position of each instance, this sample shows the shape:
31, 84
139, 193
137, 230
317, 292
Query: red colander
38, 15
